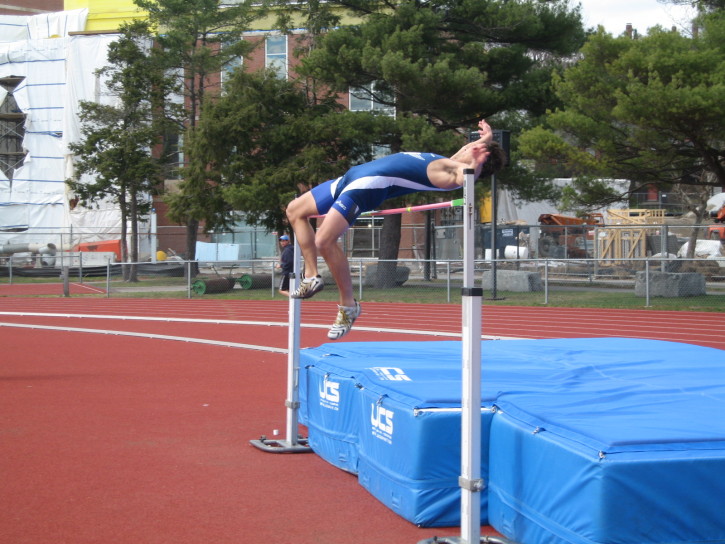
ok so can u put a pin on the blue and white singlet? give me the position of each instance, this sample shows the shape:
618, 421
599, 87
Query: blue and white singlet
366, 186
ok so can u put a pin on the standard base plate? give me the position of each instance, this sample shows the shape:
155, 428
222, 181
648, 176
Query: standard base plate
281, 446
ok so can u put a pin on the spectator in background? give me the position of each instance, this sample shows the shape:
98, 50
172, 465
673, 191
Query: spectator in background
286, 263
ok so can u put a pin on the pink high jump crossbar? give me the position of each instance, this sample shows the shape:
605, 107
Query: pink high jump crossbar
408, 209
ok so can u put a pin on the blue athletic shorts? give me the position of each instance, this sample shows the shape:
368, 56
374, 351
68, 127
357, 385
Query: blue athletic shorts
350, 204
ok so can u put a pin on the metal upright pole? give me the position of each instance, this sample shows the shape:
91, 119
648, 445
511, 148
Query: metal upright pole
470, 479
293, 354
293, 443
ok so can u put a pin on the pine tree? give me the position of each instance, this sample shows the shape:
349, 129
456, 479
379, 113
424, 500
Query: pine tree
648, 110
119, 134
448, 63
198, 39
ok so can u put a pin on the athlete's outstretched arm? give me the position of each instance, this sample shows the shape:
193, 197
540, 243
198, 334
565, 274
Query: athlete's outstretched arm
486, 137
448, 174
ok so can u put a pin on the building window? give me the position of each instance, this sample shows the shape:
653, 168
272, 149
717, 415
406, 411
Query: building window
173, 156
381, 151
276, 55
372, 98
228, 69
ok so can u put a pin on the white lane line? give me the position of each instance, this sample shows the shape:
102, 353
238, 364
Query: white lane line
423, 333
145, 318
147, 335
89, 288
253, 323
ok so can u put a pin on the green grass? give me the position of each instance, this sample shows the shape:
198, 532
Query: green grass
433, 292
436, 294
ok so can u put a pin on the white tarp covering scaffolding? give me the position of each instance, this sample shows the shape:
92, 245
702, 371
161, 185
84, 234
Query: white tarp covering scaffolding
56, 71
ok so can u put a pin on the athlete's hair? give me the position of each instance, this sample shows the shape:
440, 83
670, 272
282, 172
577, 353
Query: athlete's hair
495, 161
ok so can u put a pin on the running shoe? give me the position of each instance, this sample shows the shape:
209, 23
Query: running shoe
308, 287
346, 316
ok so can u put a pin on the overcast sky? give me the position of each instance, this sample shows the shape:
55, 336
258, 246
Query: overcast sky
643, 14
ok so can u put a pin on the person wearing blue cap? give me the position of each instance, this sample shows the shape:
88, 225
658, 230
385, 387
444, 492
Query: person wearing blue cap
286, 263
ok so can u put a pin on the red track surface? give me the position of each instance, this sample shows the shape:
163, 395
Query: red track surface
127, 439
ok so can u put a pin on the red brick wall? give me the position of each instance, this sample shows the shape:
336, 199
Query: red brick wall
171, 235
256, 59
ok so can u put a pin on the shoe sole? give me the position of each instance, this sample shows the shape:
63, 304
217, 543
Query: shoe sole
310, 295
359, 313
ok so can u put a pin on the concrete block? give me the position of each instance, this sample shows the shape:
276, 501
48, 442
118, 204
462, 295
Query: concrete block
670, 284
402, 273
512, 280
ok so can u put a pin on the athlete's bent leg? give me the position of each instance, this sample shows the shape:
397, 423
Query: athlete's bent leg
334, 225
298, 213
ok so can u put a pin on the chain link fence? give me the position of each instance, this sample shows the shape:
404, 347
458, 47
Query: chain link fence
626, 266
692, 284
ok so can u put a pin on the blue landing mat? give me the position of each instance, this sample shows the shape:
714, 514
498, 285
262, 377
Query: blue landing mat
584, 440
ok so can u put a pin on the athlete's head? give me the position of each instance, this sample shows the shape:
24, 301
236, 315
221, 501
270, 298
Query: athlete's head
495, 161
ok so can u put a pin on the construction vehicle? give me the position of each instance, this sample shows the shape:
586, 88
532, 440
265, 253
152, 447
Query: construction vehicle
717, 231
564, 236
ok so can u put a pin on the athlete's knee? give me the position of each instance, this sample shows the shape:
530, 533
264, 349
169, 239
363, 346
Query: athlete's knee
324, 244
296, 213
302, 207
292, 210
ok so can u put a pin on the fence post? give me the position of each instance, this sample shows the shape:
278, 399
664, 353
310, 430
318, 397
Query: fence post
66, 281
646, 283
546, 281
272, 264
153, 228
62, 255
188, 279
360, 275
666, 246
595, 250
108, 278
448, 280
590, 270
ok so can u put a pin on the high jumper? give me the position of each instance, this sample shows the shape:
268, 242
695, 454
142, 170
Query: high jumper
363, 188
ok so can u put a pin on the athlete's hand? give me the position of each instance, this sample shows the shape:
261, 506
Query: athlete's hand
485, 132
